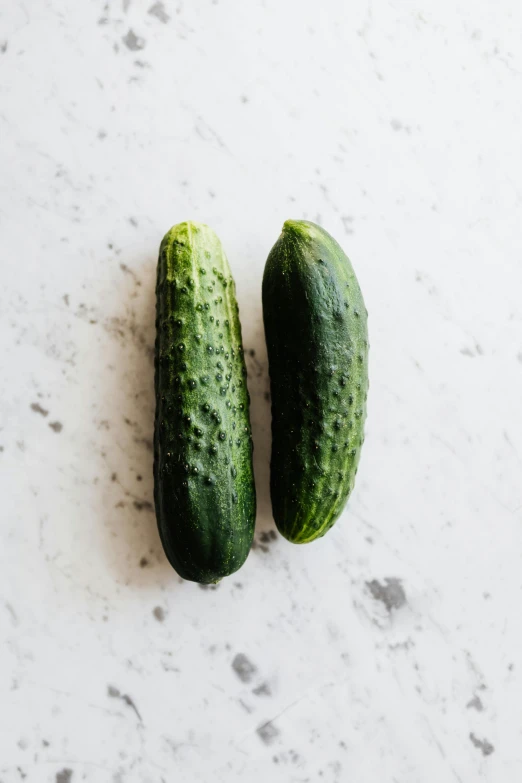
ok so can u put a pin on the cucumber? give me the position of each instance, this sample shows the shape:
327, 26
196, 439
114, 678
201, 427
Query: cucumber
204, 491
317, 340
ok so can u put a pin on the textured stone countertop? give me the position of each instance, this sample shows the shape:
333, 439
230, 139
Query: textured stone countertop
390, 650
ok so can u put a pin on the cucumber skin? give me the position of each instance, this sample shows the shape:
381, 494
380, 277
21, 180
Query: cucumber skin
317, 340
204, 490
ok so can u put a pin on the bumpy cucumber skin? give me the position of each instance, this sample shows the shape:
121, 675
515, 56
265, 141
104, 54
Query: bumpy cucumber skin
317, 340
204, 489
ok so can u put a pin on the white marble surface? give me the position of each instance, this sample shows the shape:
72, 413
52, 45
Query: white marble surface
396, 126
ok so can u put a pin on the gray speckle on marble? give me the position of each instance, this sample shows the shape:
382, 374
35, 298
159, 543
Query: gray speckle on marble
159, 613
245, 706
475, 704
37, 408
347, 222
56, 426
143, 505
391, 593
243, 667
397, 125
158, 10
133, 42
114, 693
268, 732
12, 613
262, 690
483, 745
64, 776
267, 536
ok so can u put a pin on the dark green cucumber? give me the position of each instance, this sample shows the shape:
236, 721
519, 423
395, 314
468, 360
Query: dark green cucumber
317, 340
203, 477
